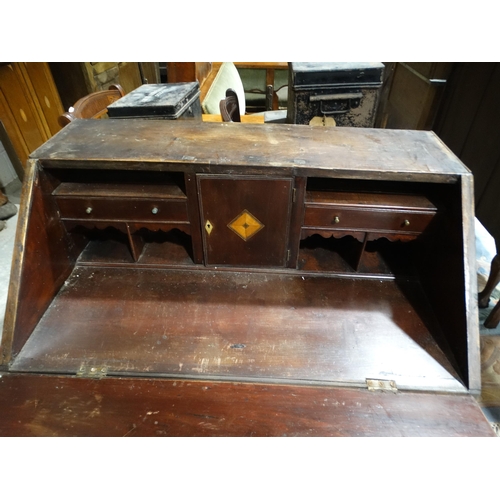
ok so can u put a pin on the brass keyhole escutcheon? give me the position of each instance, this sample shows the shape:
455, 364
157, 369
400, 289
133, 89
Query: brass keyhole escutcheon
208, 227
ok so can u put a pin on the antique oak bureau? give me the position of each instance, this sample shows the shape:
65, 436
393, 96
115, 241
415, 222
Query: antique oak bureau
266, 256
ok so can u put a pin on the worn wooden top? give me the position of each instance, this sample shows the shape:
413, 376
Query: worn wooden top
219, 147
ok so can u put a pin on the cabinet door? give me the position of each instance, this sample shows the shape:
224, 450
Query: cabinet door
245, 220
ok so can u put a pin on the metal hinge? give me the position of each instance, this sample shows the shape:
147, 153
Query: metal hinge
294, 195
86, 371
381, 385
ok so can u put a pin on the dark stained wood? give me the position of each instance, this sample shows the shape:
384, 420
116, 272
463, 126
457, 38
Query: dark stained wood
342, 217
451, 244
296, 219
44, 259
163, 191
366, 217
193, 324
387, 201
357, 254
224, 199
194, 217
201, 298
67, 406
130, 209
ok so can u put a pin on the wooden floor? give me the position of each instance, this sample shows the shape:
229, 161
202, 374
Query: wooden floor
213, 325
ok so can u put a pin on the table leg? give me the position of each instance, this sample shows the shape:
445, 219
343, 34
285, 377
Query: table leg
484, 297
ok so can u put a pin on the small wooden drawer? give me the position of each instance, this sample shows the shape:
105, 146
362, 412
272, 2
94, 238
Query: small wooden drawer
123, 209
366, 220
369, 212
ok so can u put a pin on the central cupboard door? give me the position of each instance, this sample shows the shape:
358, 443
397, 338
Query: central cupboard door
245, 219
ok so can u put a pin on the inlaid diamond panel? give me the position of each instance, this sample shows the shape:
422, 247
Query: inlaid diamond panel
245, 225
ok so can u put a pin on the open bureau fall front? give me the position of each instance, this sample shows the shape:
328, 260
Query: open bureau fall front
259, 255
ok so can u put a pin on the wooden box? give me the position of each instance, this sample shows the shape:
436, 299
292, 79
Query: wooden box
269, 265
347, 92
167, 101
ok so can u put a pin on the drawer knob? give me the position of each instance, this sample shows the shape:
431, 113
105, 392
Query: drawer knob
154, 211
406, 222
89, 210
336, 219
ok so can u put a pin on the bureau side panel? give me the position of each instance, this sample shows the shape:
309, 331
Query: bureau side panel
470, 278
447, 274
41, 262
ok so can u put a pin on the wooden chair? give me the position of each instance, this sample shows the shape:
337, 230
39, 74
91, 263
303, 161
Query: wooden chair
94, 105
230, 107
227, 77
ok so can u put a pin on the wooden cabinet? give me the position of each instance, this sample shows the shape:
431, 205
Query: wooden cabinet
29, 105
265, 255
412, 94
75, 80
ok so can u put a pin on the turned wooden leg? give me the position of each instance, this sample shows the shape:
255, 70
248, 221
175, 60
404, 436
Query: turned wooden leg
484, 297
493, 318
493, 280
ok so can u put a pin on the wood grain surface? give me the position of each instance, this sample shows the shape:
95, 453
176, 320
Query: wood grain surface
337, 151
244, 326
34, 405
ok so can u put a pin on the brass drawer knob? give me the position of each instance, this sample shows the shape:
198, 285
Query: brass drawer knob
154, 211
336, 219
406, 222
89, 210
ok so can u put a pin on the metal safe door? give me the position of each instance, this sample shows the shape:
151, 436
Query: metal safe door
245, 220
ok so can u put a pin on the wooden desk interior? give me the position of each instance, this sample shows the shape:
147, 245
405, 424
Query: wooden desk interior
266, 253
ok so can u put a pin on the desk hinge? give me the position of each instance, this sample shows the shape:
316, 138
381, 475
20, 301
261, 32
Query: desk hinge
86, 371
381, 385
294, 195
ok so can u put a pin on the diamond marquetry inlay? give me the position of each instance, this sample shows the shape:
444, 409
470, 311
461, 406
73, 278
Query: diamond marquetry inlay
245, 225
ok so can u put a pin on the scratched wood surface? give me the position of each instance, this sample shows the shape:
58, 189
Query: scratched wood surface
331, 151
255, 326
34, 405
210, 325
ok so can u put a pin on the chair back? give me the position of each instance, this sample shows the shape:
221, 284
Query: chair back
94, 105
229, 107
